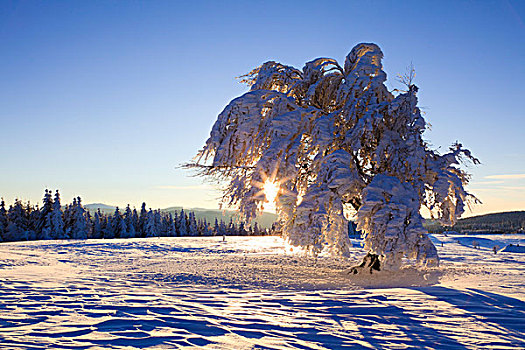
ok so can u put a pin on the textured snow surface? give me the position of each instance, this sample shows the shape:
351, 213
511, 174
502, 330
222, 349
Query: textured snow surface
253, 293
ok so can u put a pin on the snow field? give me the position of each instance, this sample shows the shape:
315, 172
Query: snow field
253, 293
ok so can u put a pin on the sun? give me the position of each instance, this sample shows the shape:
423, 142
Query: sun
270, 187
271, 190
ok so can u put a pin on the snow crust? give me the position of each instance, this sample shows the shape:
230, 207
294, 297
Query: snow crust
252, 293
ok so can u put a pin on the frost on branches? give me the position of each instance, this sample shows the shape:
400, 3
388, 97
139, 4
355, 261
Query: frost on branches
336, 141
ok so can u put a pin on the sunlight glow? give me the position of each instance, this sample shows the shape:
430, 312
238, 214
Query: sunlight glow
271, 190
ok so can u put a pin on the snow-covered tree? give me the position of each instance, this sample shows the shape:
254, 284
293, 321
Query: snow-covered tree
118, 226
176, 222
30, 216
158, 223
55, 218
142, 220
206, 228
79, 224
3, 219
128, 221
150, 227
183, 223
97, 231
192, 225
17, 224
216, 227
135, 222
222, 229
335, 140
43, 226
241, 231
172, 229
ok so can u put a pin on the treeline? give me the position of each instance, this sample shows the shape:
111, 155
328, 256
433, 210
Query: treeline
506, 222
26, 222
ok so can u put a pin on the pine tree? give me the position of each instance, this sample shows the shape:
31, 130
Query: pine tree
172, 229
158, 223
43, 227
206, 230
79, 228
183, 226
216, 228
256, 231
30, 219
150, 228
69, 218
176, 222
106, 225
135, 222
16, 228
118, 225
55, 218
192, 227
128, 220
222, 228
3, 220
142, 220
241, 230
97, 225
231, 230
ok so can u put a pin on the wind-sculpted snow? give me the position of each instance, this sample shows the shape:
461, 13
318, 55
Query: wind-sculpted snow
323, 134
251, 293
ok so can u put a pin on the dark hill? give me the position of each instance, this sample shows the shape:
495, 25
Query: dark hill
506, 222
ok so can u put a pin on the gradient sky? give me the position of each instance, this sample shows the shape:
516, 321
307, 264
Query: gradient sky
105, 99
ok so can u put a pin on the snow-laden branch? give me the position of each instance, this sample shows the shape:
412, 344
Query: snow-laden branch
332, 136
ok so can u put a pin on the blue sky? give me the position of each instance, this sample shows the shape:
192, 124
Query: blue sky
105, 99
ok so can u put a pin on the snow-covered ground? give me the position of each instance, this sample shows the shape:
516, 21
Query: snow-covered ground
254, 292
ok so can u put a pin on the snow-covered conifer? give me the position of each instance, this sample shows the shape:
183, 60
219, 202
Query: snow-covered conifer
97, 225
172, 229
256, 230
216, 227
176, 223
192, 227
79, 226
183, 223
128, 221
222, 228
135, 222
3, 219
241, 231
143, 217
150, 228
206, 228
322, 135
232, 229
31, 217
118, 226
43, 226
16, 228
56, 221
159, 228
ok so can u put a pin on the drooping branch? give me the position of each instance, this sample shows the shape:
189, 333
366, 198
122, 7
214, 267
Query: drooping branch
333, 136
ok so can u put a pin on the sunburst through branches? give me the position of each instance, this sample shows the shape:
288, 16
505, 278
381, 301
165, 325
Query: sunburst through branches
270, 188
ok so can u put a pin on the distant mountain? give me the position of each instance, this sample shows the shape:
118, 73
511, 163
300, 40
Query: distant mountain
505, 222
264, 220
101, 206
